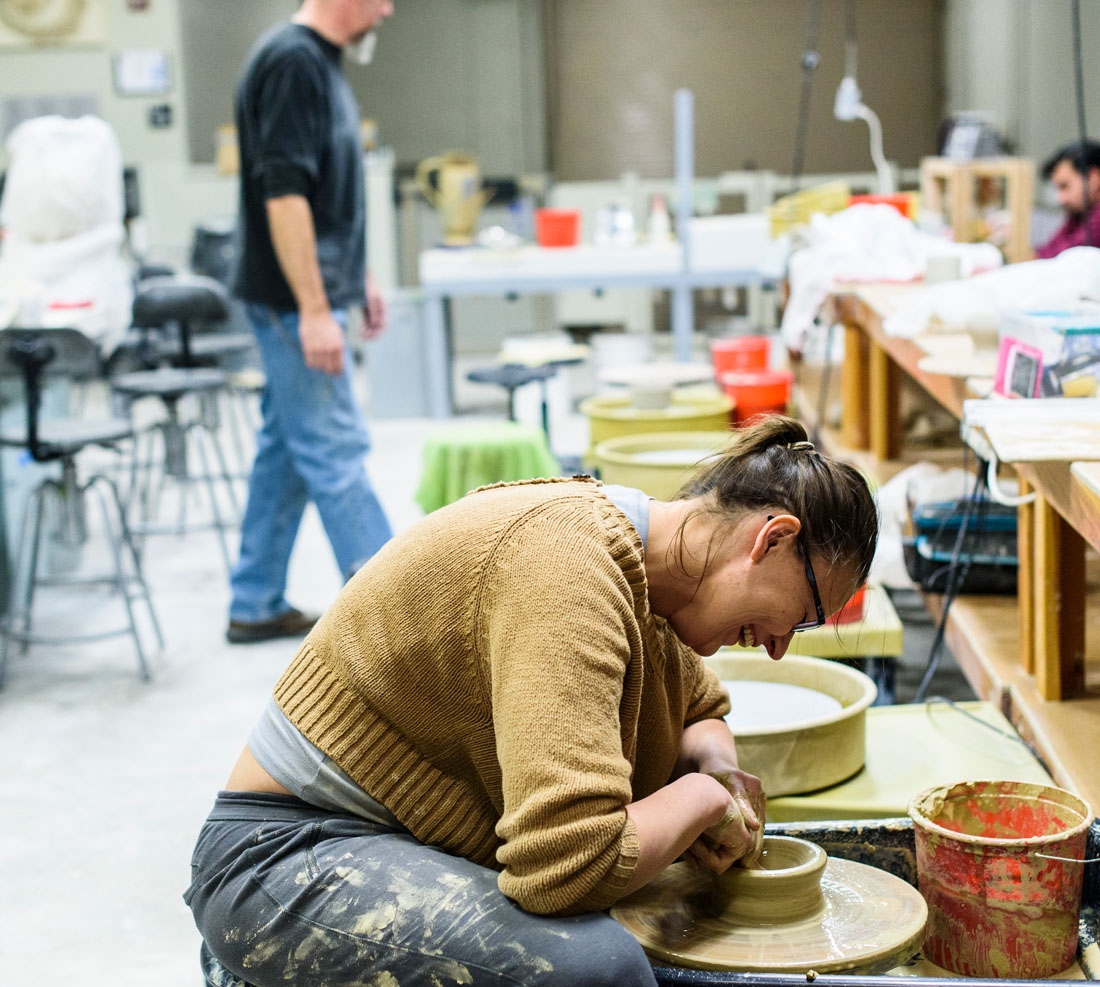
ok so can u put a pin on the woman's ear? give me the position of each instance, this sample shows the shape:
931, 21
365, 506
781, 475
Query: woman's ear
775, 528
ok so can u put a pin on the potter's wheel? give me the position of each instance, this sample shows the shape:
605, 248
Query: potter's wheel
849, 917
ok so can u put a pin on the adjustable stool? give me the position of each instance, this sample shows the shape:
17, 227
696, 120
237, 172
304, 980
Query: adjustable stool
158, 304
513, 375
34, 354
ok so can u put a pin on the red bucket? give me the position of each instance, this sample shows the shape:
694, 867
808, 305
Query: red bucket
739, 353
757, 392
998, 904
557, 227
901, 201
852, 610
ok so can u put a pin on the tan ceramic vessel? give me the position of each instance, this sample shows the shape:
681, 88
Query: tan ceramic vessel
794, 757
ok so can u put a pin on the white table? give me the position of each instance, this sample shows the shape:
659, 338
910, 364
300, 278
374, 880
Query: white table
449, 273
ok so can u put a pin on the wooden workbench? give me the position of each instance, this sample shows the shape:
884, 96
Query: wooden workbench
1029, 655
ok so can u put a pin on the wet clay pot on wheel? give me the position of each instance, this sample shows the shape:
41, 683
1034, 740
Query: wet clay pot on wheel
801, 911
785, 886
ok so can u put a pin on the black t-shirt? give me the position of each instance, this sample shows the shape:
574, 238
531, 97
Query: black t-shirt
298, 128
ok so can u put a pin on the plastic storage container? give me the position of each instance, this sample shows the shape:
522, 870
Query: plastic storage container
757, 392
1058, 334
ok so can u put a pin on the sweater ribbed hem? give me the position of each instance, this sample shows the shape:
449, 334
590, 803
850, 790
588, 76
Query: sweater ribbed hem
436, 808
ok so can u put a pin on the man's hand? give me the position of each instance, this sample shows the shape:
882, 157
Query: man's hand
322, 341
374, 312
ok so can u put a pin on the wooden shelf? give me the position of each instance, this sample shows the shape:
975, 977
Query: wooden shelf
955, 189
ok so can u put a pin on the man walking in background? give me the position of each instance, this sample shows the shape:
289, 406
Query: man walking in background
302, 270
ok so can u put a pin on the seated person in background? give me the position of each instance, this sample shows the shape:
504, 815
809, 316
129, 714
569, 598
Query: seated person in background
1074, 171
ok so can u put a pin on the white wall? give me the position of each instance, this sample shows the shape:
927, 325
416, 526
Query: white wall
1014, 59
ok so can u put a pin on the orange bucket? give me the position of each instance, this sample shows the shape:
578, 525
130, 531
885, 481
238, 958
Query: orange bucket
999, 905
757, 392
852, 610
739, 353
557, 227
901, 201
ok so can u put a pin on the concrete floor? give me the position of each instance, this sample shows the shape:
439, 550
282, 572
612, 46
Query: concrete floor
106, 779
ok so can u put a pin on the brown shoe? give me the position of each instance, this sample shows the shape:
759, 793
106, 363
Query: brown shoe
292, 623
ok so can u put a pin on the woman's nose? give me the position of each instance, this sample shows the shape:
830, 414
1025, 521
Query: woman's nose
777, 646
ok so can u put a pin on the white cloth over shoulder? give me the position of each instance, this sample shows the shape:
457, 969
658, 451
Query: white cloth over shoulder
977, 303
61, 260
865, 242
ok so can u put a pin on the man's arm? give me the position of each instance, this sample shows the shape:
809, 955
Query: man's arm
292, 234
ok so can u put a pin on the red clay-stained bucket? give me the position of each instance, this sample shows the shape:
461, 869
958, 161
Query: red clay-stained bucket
739, 353
996, 907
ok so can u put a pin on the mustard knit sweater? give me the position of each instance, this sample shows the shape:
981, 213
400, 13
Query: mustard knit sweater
495, 678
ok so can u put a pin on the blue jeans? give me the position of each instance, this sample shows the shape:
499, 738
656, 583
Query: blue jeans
311, 446
285, 893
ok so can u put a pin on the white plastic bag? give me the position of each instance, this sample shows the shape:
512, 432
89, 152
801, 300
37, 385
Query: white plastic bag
65, 178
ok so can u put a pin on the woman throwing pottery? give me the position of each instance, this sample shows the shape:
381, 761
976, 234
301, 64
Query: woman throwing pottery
503, 725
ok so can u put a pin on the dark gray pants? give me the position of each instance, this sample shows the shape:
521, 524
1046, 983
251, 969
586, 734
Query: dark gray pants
285, 893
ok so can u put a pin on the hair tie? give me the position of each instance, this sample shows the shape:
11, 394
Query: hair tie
799, 446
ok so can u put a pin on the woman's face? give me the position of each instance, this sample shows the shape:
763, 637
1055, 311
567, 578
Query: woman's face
757, 590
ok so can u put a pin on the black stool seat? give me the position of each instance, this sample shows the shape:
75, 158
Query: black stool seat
160, 301
66, 437
169, 382
511, 375
212, 344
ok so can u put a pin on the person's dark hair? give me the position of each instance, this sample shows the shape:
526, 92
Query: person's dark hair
1081, 156
772, 466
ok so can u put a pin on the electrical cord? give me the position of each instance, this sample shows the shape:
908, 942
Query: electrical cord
955, 577
932, 700
995, 491
850, 47
811, 58
1079, 86
823, 393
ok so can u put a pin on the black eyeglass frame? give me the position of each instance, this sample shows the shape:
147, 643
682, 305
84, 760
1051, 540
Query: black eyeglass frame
806, 625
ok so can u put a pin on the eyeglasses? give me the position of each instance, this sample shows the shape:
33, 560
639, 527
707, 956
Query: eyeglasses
805, 625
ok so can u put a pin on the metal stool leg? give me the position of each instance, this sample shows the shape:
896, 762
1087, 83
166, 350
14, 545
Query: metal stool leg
24, 552
120, 581
223, 464
219, 524
126, 537
31, 577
